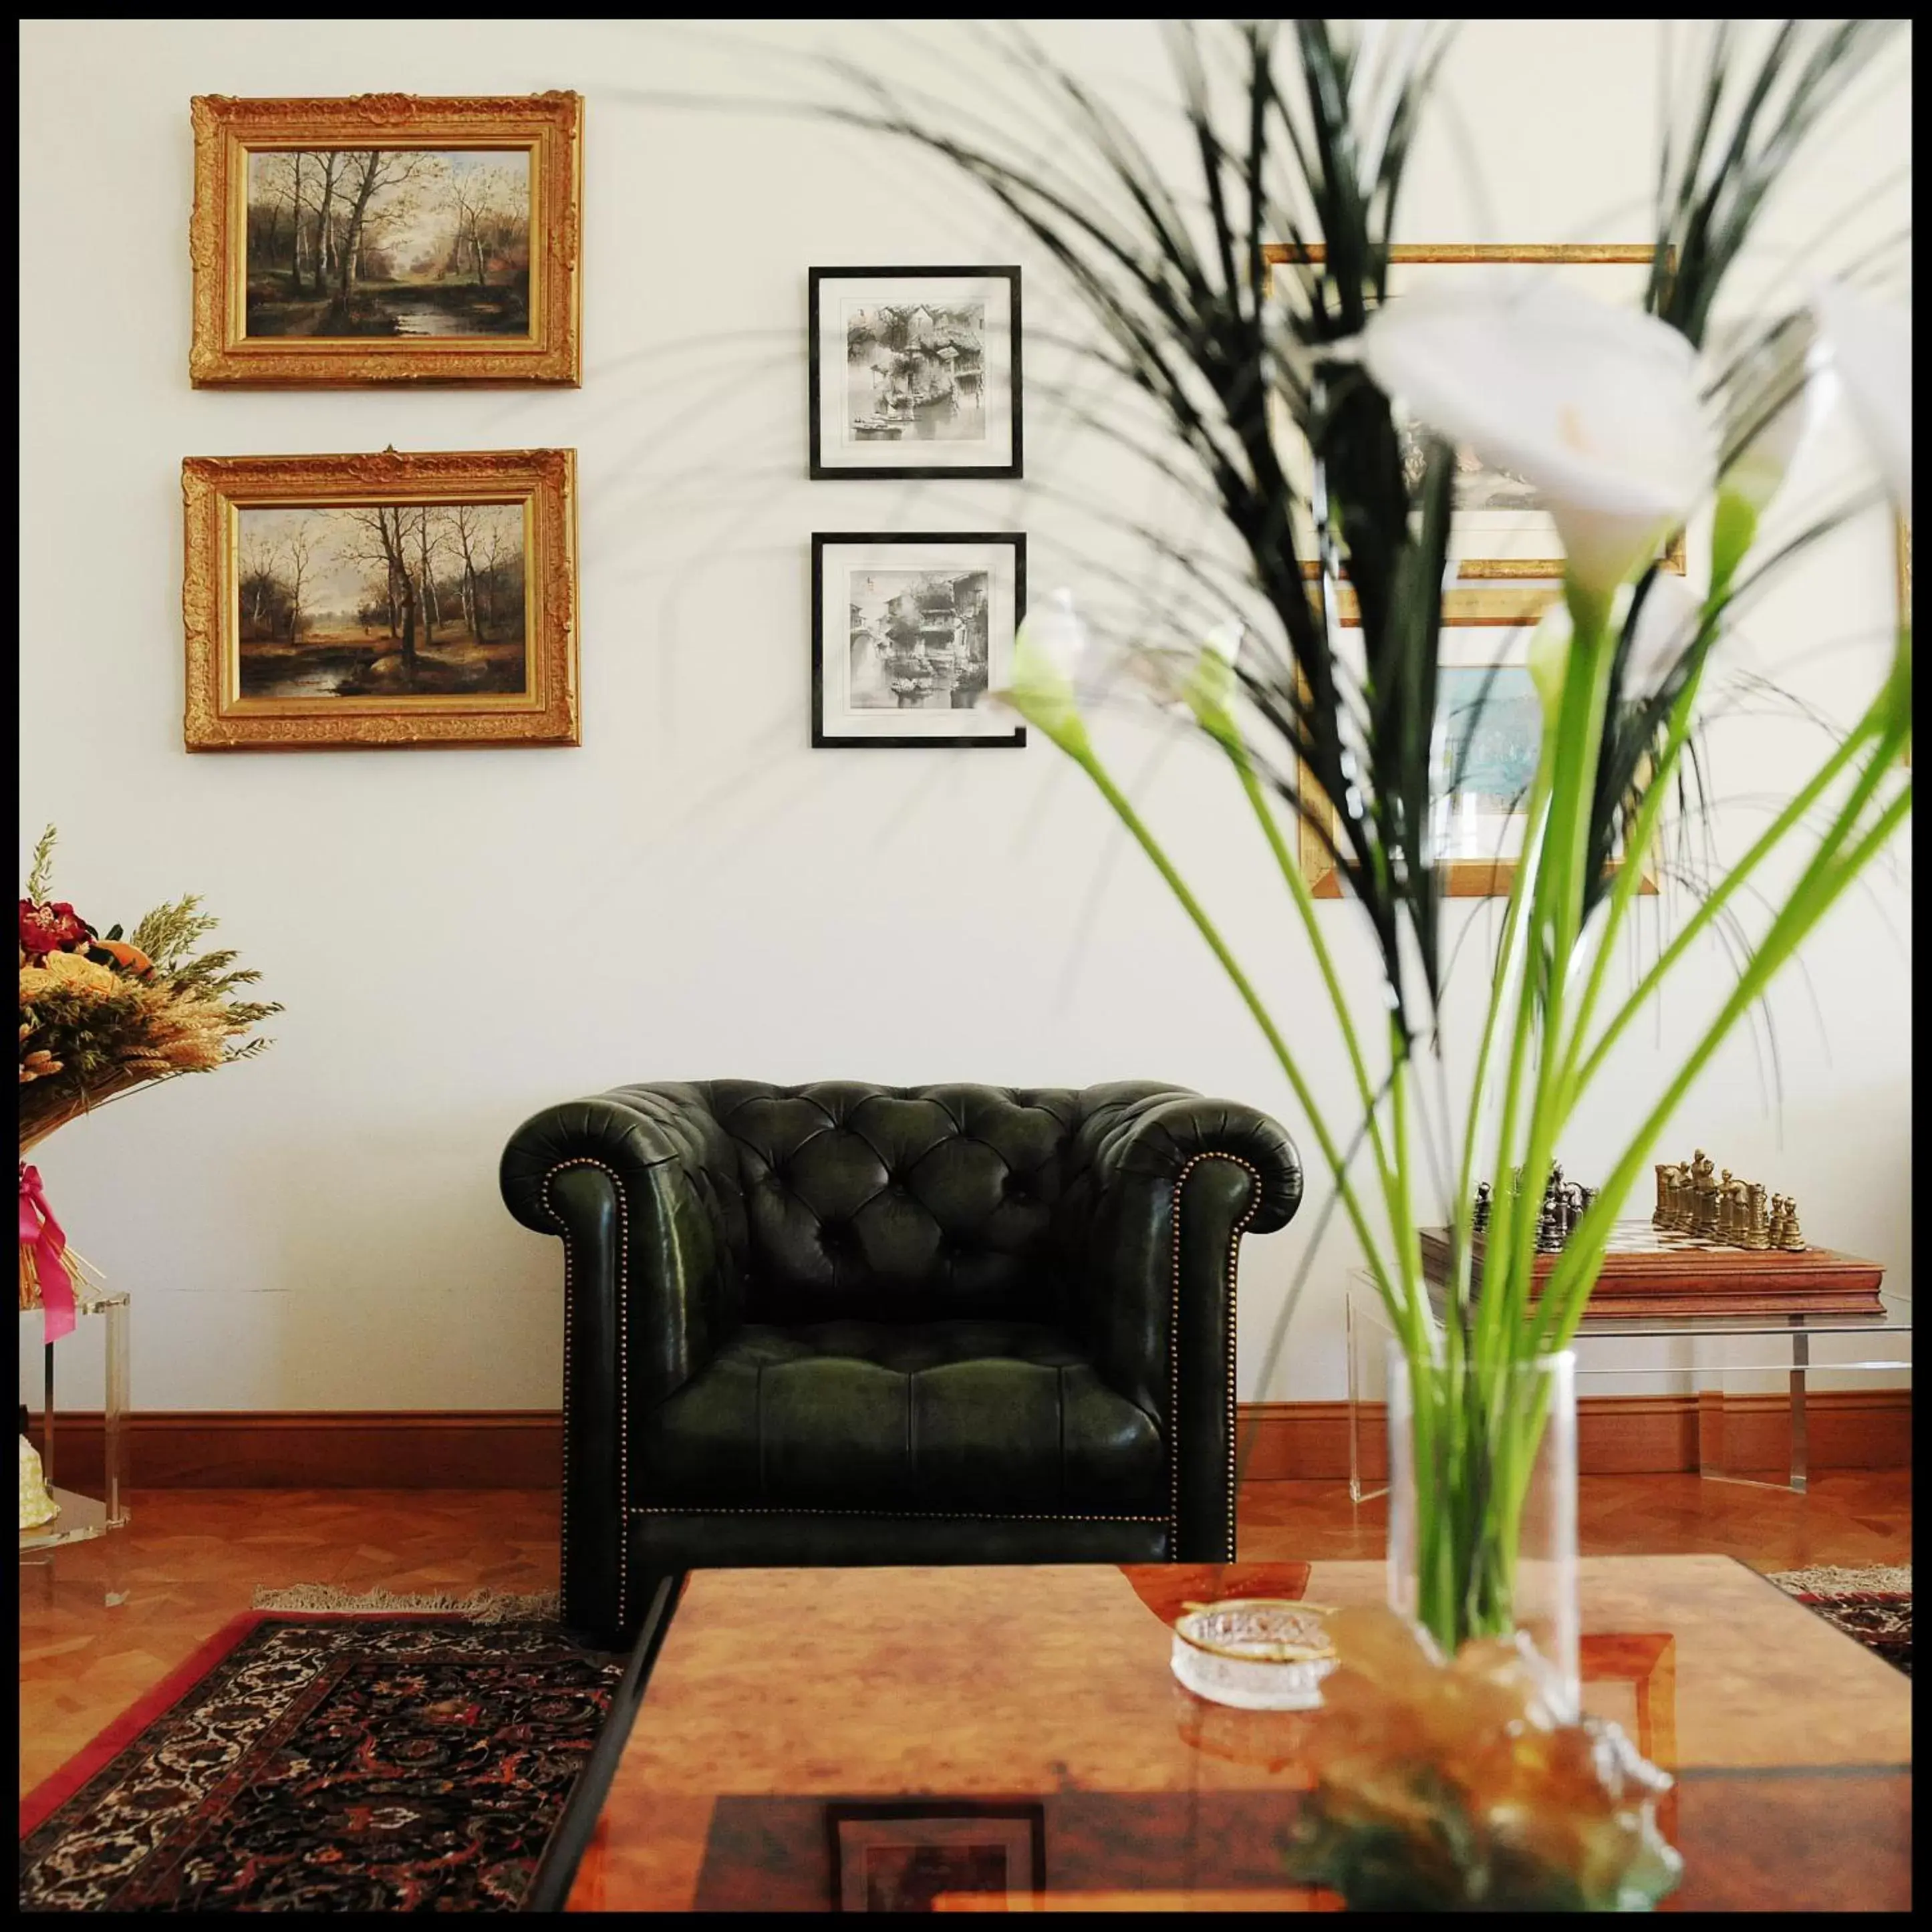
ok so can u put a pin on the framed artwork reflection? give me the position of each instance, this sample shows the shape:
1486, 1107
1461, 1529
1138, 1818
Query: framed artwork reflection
1489, 722
921, 1854
386, 237
1509, 565
915, 372
910, 634
1631, 1678
344, 602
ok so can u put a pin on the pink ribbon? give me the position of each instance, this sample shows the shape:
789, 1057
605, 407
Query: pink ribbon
41, 1232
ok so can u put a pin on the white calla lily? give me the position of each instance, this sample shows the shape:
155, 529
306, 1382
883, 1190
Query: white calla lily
1209, 687
1596, 406
1050, 654
1771, 406
1224, 641
1054, 636
1869, 347
1665, 626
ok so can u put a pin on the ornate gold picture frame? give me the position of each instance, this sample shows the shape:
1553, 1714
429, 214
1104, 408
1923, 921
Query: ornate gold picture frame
1503, 589
346, 602
386, 237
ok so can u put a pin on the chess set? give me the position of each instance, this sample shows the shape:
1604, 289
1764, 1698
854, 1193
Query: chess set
1715, 1245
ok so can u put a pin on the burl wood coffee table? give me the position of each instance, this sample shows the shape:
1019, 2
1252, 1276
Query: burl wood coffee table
962, 1739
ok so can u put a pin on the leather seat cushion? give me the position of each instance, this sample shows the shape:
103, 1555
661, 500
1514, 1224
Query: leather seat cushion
988, 1416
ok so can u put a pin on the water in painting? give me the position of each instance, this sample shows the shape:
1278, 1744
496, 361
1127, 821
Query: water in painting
917, 639
390, 600
389, 242
1492, 728
915, 373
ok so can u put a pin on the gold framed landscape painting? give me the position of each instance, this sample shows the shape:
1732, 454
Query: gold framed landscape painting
1489, 726
386, 237
389, 601
1509, 565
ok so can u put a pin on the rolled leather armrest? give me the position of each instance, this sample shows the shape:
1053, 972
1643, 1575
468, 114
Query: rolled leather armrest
1171, 1181
652, 1281
627, 1179
1129, 1128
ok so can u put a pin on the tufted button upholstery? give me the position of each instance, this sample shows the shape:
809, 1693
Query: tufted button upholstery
940, 1197
856, 1315
979, 1415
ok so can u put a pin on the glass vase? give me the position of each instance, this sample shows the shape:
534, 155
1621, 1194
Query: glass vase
1482, 1536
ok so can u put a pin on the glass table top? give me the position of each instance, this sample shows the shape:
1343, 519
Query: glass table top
967, 1738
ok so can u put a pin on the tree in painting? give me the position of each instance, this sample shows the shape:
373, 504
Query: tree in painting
392, 599
389, 242
918, 640
918, 366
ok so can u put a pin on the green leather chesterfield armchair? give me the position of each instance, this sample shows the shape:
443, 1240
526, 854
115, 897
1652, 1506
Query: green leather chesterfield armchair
847, 1323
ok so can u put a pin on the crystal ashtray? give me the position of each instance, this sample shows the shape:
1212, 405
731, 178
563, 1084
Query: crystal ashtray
1261, 1653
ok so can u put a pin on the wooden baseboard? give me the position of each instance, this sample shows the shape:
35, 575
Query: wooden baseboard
522, 1449
358, 1449
1624, 1435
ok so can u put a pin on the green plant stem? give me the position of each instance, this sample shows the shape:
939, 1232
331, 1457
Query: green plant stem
1630, 874
1508, 967
1304, 904
1580, 731
1566, 1295
1500, 1436
1123, 810
1720, 895
1527, 887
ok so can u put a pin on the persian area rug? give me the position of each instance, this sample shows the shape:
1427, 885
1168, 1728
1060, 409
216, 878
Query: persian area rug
326, 1763
1874, 1605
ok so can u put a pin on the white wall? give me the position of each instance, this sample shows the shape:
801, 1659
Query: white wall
461, 937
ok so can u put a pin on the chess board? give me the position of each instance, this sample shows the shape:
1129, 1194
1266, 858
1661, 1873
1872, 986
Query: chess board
1649, 1271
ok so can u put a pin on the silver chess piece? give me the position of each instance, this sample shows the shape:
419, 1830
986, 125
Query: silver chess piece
1549, 1229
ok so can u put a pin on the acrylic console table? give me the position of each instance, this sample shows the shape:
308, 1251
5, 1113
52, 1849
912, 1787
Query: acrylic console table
82, 1517
1722, 1346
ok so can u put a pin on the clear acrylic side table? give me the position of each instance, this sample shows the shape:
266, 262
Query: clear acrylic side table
1722, 1346
84, 1518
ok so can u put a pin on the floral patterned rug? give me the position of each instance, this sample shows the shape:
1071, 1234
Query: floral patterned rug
326, 1763
1873, 1605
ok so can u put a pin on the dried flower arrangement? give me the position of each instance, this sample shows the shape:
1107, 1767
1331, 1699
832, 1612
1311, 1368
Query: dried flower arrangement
102, 1016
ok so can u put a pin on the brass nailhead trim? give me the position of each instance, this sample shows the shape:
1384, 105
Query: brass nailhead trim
623, 1370
1174, 1343
1173, 1518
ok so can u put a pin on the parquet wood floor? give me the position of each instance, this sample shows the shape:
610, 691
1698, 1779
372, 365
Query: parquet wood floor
192, 1559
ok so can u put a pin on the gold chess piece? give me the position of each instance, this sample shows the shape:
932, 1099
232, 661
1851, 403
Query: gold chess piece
1757, 1232
1742, 1213
1776, 1231
1793, 1242
1703, 1180
1682, 1212
1661, 1218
